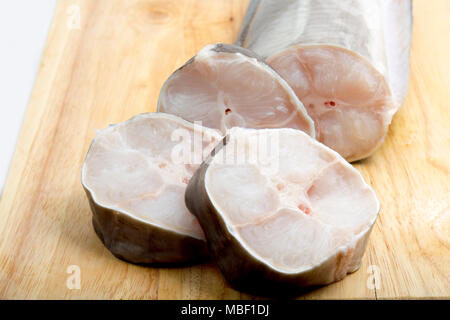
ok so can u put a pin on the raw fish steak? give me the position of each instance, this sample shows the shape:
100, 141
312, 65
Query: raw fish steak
225, 86
284, 215
347, 61
135, 175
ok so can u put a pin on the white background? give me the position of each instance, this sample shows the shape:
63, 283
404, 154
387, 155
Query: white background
23, 31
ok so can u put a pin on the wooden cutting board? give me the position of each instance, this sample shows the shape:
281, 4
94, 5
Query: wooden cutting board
106, 61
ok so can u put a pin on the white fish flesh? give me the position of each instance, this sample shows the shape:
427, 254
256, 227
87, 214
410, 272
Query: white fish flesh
225, 86
347, 61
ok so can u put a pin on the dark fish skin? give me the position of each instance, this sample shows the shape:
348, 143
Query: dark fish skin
230, 48
241, 270
249, 15
132, 240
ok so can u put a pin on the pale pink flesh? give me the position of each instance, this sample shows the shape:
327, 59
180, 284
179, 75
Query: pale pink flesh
223, 90
298, 214
131, 167
349, 100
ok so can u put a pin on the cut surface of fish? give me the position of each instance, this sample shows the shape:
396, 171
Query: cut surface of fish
225, 86
347, 61
135, 175
285, 215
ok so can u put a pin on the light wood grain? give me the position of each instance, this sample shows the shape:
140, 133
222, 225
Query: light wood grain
113, 67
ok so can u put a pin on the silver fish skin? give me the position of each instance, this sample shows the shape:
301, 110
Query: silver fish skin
366, 43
